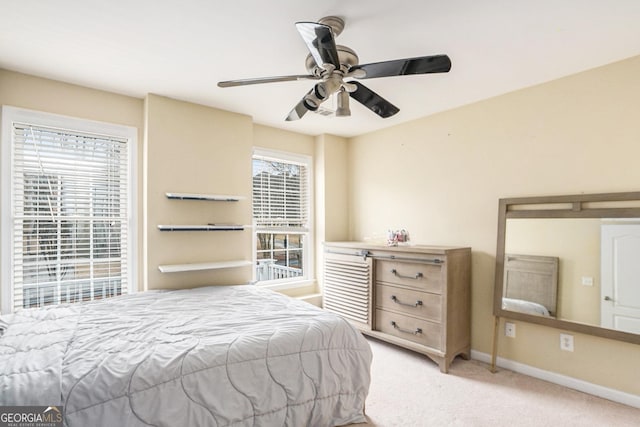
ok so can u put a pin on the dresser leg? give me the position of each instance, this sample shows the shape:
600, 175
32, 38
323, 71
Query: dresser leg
443, 363
466, 354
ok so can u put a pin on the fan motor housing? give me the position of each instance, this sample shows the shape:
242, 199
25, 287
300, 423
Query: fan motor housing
347, 57
335, 22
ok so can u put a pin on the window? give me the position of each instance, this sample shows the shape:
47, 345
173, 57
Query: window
281, 216
67, 210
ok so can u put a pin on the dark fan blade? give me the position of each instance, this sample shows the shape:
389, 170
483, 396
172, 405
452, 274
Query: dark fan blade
259, 80
373, 101
300, 109
402, 67
297, 112
320, 42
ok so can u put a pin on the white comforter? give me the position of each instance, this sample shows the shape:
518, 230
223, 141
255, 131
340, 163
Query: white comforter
214, 356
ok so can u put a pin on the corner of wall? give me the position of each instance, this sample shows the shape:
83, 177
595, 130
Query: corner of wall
144, 185
331, 207
191, 148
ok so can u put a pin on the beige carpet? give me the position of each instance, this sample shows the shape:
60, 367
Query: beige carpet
407, 390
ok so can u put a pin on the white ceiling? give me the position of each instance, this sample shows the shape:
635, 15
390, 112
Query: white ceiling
181, 49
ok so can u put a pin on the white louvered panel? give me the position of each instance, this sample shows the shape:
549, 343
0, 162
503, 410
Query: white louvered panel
346, 311
347, 286
347, 291
342, 295
358, 311
348, 273
349, 281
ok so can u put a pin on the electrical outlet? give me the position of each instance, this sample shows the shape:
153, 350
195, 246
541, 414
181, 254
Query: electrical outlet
587, 281
510, 329
566, 342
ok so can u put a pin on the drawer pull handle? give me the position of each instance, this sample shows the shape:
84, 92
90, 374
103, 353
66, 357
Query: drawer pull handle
397, 301
416, 277
406, 331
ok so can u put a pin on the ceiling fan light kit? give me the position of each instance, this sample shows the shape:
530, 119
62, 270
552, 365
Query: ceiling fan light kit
343, 104
332, 64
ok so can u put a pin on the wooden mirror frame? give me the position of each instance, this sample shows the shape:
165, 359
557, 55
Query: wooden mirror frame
604, 205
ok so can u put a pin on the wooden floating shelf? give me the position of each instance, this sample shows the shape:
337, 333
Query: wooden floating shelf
178, 268
203, 227
210, 197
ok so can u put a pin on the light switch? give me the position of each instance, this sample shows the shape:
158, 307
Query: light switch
587, 281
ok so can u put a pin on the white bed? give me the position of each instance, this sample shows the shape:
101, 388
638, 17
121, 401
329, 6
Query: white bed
213, 356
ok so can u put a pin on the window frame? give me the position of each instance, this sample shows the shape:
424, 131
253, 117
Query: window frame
308, 278
14, 114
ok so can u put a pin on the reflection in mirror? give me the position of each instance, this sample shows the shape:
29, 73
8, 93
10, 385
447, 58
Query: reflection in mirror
530, 284
580, 247
571, 262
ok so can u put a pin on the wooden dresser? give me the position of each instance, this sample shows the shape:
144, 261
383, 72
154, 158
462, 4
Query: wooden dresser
417, 297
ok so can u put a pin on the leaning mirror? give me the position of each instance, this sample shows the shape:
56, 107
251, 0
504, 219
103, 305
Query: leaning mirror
571, 262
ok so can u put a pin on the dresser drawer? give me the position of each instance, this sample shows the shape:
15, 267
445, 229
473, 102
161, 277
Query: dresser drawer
427, 277
409, 328
415, 303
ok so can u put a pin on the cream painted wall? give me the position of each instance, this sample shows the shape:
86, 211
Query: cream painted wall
441, 177
333, 152
191, 148
332, 201
282, 140
34, 93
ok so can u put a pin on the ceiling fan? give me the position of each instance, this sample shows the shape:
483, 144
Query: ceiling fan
332, 64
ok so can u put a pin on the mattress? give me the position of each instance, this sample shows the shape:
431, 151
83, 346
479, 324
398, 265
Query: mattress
212, 356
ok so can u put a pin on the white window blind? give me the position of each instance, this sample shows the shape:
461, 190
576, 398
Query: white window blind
281, 215
69, 199
280, 193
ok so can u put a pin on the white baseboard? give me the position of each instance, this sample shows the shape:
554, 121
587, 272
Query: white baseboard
563, 380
